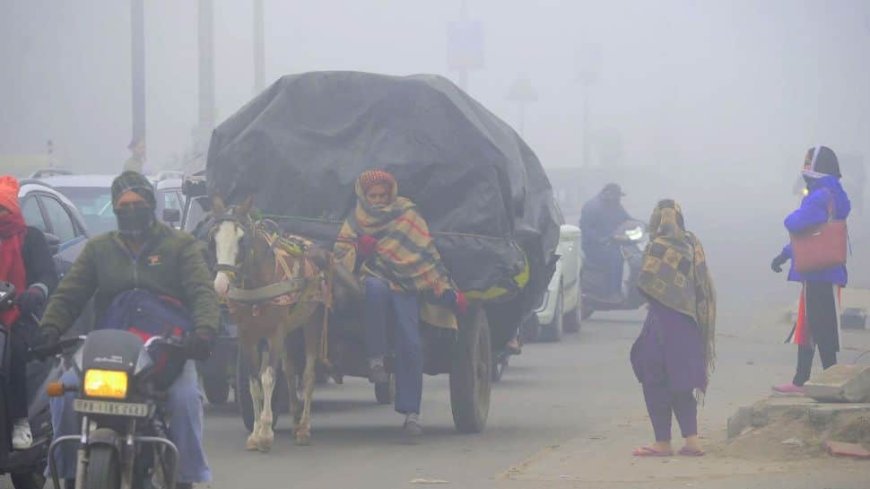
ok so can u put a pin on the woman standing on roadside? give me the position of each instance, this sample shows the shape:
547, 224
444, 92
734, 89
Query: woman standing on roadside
818, 318
673, 356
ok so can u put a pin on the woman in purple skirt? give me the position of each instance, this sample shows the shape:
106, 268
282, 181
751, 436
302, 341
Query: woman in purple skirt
673, 356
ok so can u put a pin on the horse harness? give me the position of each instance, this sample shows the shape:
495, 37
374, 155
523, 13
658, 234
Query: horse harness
301, 280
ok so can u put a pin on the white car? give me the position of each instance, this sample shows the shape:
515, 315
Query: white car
560, 310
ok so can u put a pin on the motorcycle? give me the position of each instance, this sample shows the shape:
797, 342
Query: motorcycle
25, 467
631, 237
124, 443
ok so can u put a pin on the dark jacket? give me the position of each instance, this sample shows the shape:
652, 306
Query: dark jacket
598, 221
170, 263
812, 212
38, 262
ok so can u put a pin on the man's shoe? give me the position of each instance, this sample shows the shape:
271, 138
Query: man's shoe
22, 438
412, 426
789, 389
377, 372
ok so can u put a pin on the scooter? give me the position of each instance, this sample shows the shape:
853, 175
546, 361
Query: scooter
124, 442
631, 237
25, 467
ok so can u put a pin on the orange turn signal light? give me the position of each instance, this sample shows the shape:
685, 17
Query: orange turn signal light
54, 389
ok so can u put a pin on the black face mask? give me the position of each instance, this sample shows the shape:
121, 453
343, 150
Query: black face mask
134, 221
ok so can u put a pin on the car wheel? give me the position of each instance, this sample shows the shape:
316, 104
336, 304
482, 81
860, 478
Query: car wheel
553, 332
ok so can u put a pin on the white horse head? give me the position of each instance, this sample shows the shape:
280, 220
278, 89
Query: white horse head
227, 239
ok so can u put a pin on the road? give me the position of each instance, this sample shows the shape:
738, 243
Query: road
552, 396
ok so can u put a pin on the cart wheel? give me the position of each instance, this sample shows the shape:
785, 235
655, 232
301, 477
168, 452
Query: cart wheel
471, 373
385, 392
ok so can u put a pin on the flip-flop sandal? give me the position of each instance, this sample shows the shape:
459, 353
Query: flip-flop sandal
691, 452
651, 452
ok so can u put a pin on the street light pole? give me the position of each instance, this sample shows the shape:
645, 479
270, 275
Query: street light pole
206, 73
259, 48
137, 56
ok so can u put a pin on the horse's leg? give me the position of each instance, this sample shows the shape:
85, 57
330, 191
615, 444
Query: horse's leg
313, 330
289, 364
251, 356
267, 378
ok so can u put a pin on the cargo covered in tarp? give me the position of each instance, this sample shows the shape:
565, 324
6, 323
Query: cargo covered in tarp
299, 146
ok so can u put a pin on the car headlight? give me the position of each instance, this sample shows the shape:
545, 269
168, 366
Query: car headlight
110, 384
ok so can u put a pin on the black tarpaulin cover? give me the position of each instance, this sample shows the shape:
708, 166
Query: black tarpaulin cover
299, 146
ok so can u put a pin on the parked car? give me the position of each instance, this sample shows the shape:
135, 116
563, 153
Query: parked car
65, 230
56, 216
92, 195
560, 310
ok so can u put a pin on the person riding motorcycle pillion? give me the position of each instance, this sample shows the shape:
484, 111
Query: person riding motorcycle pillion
599, 219
386, 242
26, 263
147, 255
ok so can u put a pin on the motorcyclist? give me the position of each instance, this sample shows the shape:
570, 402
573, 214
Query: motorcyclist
387, 244
142, 254
26, 263
599, 219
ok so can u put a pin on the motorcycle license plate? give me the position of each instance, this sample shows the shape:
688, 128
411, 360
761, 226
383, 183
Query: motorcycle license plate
135, 410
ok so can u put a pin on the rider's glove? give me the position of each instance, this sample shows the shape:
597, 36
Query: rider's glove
366, 245
457, 300
778, 262
48, 337
31, 300
199, 343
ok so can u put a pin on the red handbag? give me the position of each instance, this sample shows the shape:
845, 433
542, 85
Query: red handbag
821, 247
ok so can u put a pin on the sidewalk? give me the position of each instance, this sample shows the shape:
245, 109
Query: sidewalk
751, 359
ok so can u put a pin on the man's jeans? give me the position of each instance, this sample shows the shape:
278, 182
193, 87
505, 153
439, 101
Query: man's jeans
382, 307
184, 407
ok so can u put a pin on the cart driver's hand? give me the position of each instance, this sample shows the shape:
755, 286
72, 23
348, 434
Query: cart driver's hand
366, 245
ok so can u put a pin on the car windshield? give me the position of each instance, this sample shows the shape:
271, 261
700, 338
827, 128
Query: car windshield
196, 213
95, 204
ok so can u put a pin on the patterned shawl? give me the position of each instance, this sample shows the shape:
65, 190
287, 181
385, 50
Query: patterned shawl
405, 254
675, 273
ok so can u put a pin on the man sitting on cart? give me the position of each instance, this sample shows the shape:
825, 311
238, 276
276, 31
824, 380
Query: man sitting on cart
387, 244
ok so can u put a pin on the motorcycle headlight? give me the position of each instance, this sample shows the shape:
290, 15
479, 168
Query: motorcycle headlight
110, 384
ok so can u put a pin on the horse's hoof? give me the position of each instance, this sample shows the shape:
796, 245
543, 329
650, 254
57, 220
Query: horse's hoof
303, 440
252, 443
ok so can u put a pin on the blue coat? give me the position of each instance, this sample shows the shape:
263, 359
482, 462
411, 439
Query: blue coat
812, 212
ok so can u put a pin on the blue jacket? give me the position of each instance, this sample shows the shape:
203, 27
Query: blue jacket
812, 212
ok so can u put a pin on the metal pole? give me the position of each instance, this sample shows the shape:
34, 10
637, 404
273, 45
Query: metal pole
206, 70
586, 125
137, 22
522, 118
259, 48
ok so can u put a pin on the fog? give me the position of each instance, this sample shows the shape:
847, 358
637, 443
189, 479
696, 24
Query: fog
720, 98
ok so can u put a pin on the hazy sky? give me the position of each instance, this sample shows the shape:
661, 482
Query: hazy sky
730, 84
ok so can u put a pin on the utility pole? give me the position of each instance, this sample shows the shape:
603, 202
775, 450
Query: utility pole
206, 75
137, 23
259, 48
587, 76
463, 70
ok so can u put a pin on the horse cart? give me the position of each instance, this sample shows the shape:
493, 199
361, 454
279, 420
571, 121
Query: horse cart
294, 153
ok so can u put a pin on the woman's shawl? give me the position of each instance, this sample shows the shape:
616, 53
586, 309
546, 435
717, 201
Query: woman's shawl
675, 273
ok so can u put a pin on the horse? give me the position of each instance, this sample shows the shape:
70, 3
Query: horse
274, 284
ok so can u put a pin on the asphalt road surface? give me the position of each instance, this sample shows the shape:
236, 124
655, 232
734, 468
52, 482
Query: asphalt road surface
552, 394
